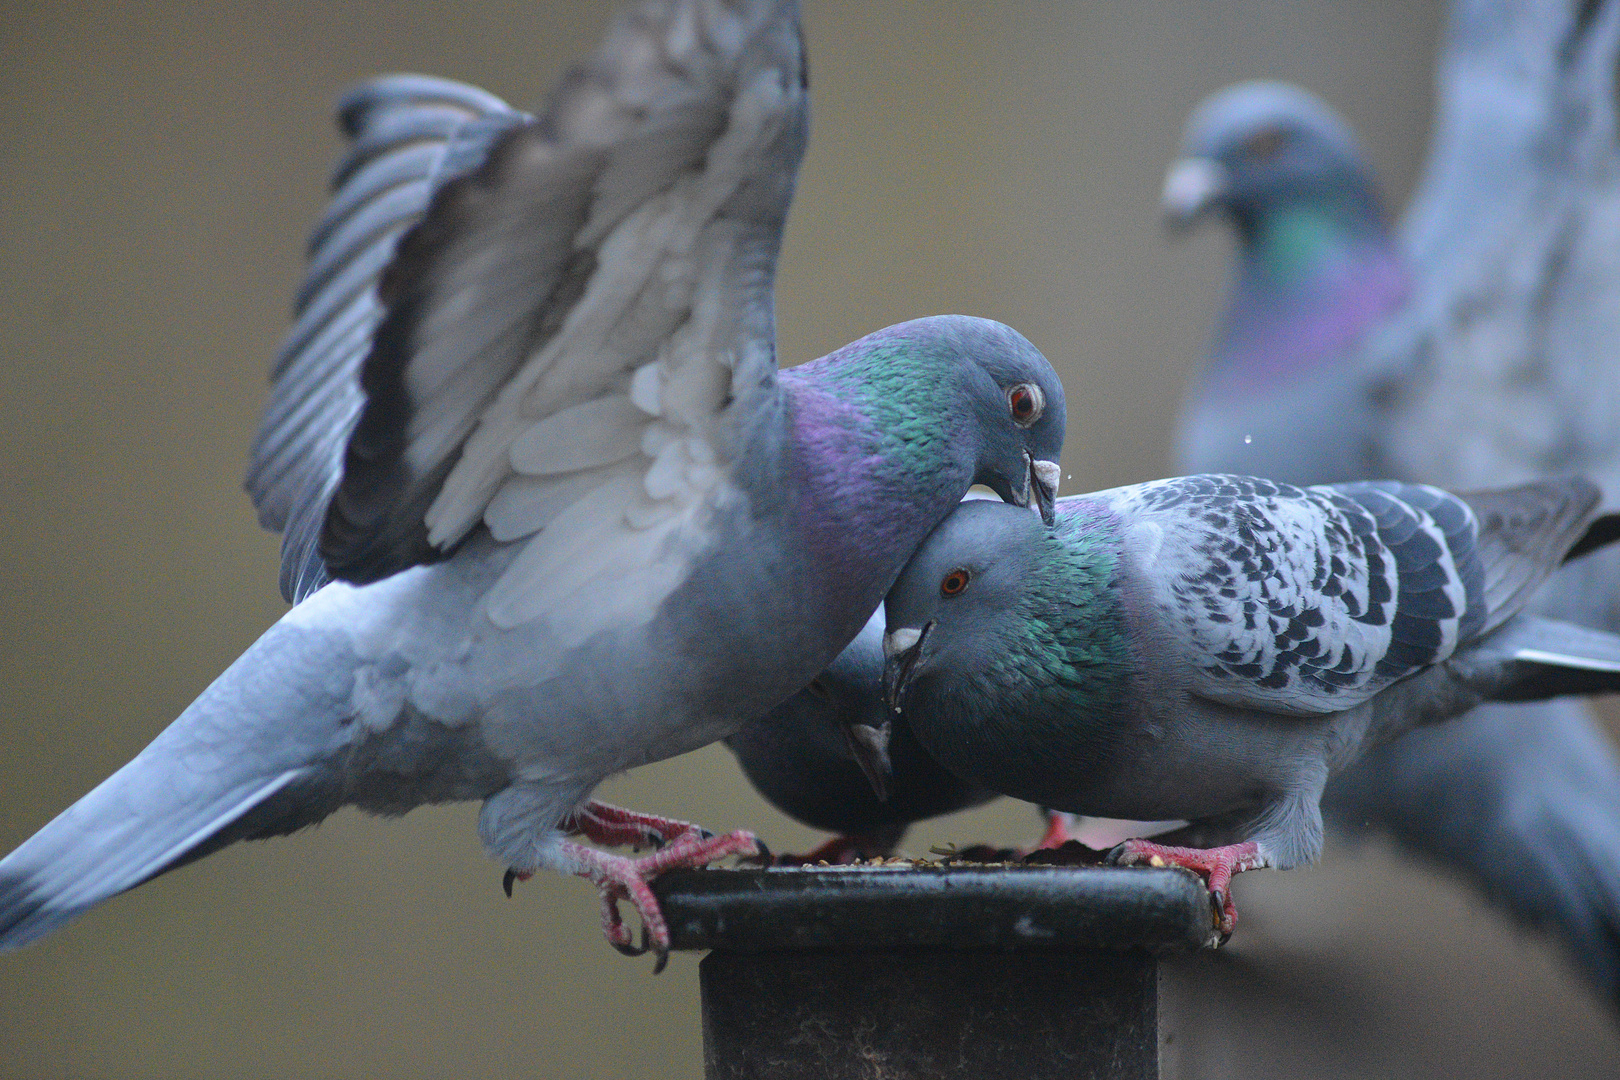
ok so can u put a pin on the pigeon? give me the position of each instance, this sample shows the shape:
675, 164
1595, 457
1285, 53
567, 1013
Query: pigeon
1212, 648
799, 756
1447, 379
550, 511
1317, 269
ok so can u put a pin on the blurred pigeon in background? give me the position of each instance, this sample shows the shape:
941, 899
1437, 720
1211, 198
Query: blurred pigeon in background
1213, 648
1480, 348
1317, 269
529, 425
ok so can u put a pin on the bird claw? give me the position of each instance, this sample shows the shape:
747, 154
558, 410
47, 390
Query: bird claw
761, 857
661, 954
510, 876
619, 877
638, 950
1215, 865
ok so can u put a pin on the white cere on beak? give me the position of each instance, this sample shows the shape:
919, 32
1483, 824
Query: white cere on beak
1048, 473
898, 641
1190, 185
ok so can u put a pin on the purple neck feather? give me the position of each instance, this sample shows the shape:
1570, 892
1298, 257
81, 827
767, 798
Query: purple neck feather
1274, 333
859, 512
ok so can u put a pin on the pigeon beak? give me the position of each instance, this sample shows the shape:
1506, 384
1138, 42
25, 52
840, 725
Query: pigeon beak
1040, 487
901, 648
1192, 188
870, 747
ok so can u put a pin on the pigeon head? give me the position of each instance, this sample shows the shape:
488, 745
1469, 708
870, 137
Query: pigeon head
995, 593
1018, 402
961, 389
1273, 158
999, 620
956, 598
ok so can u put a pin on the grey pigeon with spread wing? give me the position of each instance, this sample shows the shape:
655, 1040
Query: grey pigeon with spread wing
529, 424
1213, 648
1494, 363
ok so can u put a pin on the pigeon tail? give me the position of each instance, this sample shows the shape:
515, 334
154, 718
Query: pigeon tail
94, 851
1534, 659
242, 761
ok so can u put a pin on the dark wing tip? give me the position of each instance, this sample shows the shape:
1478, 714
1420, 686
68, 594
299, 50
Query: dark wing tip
409, 135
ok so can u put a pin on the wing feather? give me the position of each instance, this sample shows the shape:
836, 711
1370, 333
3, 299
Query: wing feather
552, 323
1527, 532
1309, 600
410, 135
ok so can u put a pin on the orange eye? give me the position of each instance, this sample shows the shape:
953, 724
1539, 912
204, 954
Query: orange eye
1026, 403
1265, 143
954, 582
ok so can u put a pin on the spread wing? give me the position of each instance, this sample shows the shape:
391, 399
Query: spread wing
1506, 362
575, 327
1306, 600
409, 136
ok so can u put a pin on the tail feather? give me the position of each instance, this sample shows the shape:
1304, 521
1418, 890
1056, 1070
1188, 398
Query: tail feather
1533, 659
96, 849
248, 758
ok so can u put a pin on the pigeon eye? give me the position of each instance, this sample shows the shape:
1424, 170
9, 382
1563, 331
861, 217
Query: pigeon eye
1026, 403
954, 582
1265, 143
818, 689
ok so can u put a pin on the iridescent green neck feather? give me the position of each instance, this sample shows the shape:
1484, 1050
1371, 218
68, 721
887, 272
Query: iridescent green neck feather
906, 388
1299, 241
1072, 643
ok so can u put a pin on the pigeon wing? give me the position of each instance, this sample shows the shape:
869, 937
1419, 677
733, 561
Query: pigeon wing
574, 330
409, 135
1306, 600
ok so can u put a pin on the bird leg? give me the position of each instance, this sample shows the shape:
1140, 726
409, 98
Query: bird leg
1059, 831
604, 823
620, 877
1215, 865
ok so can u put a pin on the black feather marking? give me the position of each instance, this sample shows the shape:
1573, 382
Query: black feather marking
409, 134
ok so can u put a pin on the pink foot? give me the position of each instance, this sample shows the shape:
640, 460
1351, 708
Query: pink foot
603, 823
1215, 865
1059, 831
619, 877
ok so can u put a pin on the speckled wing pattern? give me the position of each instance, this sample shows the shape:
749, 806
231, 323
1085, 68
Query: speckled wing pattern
1306, 600
575, 328
408, 136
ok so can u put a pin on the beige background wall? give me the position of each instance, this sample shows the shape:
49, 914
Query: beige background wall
162, 163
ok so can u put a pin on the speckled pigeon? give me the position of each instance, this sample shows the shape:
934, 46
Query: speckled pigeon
1212, 648
1496, 362
529, 424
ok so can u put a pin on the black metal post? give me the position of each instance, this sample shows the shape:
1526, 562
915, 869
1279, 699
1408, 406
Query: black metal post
987, 972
